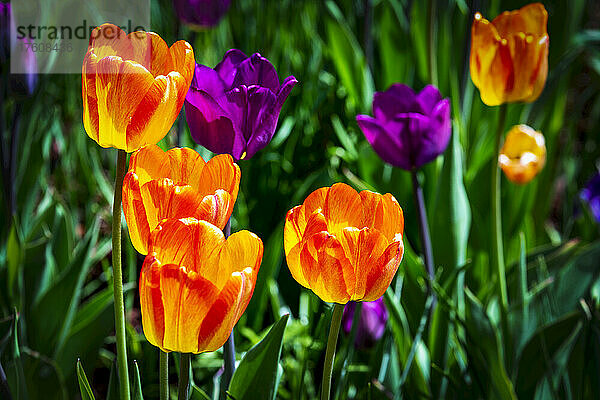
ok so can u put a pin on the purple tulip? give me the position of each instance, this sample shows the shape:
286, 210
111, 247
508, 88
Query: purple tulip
201, 13
409, 129
371, 325
234, 108
591, 195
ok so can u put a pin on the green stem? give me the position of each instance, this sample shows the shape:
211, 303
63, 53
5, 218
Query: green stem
431, 43
118, 278
164, 375
497, 246
424, 229
334, 330
184, 376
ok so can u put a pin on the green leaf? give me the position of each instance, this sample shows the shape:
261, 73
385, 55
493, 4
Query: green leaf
483, 347
345, 138
537, 356
137, 383
451, 204
84, 385
349, 59
113, 383
19, 386
198, 394
13, 257
574, 280
256, 376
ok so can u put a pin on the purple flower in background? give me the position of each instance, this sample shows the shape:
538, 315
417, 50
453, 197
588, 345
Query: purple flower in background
24, 81
5, 22
371, 325
234, 108
201, 13
409, 129
591, 195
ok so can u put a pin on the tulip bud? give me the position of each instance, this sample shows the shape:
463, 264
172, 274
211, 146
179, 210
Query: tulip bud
523, 154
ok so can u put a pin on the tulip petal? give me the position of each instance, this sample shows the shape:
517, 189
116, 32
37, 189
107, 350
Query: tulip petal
285, 89
188, 242
135, 213
228, 66
531, 19
385, 141
156, 113
109, 40
186, 299
297, 217
151, 305
208, 80
185, 166
149, 163
118, 79
342, 208
398, 98
220, 172
226, 311
256, 70
382, 271
431, 135
382, 213
211, 125
241, 250
484, 46
428, 98
363, 247
182, 58
262, 114
216, 208
326, 268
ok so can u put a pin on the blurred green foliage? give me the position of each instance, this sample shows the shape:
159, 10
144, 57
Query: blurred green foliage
55, 296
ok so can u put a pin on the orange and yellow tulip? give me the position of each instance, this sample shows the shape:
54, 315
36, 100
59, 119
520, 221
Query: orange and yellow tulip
345, 245
133, 86
176, 184
195, 285
509, 56
523, 154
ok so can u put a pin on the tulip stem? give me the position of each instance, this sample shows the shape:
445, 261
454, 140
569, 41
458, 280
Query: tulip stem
184, 376
334, 330
118, 278
229, 347
497, 246
424, 229
164, 374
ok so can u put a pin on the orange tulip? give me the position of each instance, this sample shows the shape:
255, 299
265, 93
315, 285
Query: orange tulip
195, 285
523, 154
509, 56
133, 86
345, 245
176, 184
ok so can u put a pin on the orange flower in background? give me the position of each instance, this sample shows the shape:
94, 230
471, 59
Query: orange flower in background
195, 285
345, 245
133, 86
509, 56
523, 154
176, 184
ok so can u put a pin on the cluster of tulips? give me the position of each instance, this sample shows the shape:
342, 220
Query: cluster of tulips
197, 279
